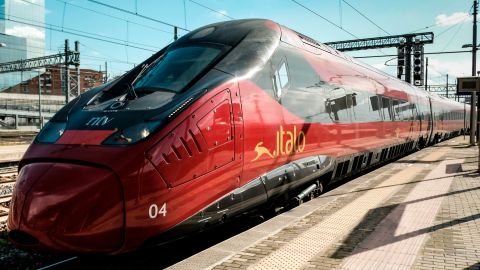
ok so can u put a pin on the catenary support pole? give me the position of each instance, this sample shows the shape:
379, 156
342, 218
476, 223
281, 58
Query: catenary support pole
474, 72
66, 75
105, 79
447, 86
77, 70
473, 113
40, 120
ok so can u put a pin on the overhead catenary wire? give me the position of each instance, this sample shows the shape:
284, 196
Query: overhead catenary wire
322, 17
63, 14
185, 12
137, 14
438, 25
445, 31
212, 10
88, 57
453, 36
123, 44
334, 24
108, 57
427, 53
111, 16
101, 38
62, 29
366, 17
84, 71
340, 13
83, 55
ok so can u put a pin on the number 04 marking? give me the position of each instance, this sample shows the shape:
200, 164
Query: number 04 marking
154, 212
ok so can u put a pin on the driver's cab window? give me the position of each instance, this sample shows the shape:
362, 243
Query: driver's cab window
280, 79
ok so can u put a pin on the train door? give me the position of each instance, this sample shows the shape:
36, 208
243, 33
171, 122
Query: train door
205, 145
388, 117
238, 135
407, 117
417, 119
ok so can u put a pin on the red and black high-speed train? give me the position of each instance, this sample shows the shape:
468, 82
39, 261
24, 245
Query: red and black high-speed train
229, 118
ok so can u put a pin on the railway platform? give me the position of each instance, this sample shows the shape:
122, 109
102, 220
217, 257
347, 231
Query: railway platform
12, 153
419, 212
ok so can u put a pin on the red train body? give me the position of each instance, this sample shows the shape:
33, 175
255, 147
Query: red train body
228, 118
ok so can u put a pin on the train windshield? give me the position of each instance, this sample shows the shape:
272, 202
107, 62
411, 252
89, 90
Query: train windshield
174, 70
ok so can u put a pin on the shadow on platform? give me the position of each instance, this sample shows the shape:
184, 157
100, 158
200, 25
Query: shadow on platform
473, 267
375, 216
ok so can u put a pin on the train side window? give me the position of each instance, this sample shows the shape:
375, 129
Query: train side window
420, 112
375, 108
280, 79
361, 108
337, 105
402, 110
307, 92
374, 103
413, 112
387, 109
395, 112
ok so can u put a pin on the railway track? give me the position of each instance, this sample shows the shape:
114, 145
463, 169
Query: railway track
9, 137
59, 264
6, 190
8, 170
8, 177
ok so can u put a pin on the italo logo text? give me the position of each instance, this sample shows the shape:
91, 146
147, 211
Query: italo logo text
287, 142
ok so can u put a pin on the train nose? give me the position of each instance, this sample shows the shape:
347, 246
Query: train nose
68, 208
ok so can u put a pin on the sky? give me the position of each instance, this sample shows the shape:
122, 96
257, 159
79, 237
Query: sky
138, 37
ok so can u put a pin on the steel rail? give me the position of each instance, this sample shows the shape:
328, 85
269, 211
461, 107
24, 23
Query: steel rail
53, 265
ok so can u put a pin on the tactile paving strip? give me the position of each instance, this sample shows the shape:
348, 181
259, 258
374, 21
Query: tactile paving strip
396, 241
336, 253
296, 253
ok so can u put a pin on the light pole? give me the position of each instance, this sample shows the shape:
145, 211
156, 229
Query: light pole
40, 120
426, 73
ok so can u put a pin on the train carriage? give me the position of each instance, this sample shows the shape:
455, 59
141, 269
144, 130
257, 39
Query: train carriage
230, 118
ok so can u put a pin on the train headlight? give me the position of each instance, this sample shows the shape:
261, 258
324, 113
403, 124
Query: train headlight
132, 134
51, 132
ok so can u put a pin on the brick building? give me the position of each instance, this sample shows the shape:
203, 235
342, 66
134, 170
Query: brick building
51, 82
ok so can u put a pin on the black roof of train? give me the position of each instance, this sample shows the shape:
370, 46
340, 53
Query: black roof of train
228, 33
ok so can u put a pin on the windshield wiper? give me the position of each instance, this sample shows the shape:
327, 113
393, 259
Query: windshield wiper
130, 90
145, 67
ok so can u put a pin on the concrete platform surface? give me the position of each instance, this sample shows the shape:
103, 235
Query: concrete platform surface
12, 152
419, 212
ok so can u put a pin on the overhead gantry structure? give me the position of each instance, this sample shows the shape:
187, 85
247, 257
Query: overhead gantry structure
406, 44
70, 85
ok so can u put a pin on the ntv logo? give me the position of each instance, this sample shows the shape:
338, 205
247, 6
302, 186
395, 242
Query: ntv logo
98, 121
